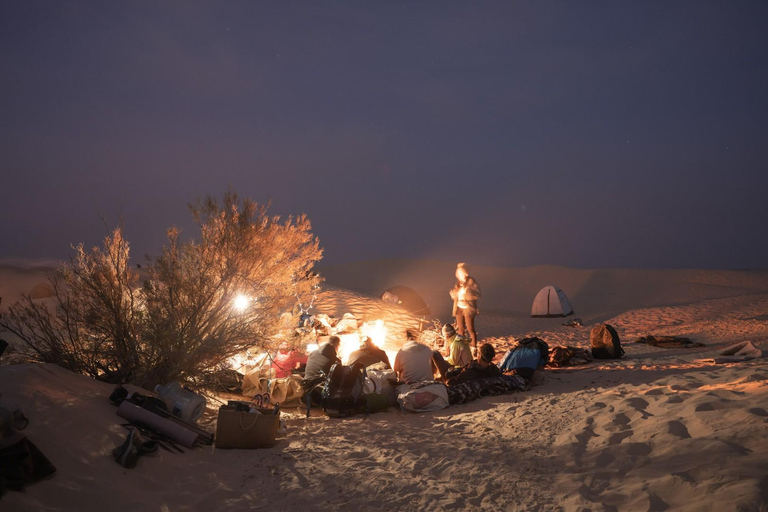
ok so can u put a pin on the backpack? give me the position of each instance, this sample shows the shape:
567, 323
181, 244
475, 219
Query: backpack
605, 342
569, 356
537, 343
342, 392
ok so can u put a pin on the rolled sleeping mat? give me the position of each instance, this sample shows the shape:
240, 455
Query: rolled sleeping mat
174, 431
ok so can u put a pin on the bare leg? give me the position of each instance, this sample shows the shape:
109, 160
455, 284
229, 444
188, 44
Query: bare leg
440, 363
460, 321
470, 320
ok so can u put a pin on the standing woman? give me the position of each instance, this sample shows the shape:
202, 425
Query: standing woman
465, 293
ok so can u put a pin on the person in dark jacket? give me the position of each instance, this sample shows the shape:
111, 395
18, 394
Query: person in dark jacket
368, 354
480, 368
320, 361
465, 293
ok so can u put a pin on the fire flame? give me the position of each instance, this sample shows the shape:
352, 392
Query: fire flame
376, 331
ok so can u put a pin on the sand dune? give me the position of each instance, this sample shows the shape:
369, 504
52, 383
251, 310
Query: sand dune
654, 431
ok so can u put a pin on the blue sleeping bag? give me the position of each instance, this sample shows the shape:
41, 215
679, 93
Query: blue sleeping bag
521, 357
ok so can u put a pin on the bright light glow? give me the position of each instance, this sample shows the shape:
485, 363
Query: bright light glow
376, 331
311, 347
349, 343
242, 302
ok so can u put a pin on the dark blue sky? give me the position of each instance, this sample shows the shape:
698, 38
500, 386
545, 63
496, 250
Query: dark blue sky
588, 134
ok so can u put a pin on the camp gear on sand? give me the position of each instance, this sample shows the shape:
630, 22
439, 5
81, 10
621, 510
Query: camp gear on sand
605, 342
165, 426
490, 386
407, 298
261, 401
743, 351
550, 302
182, 402
529, 354
668, 342
423, 396
256, 428
343, 390
576, 322
128, 453
21, 462
378, 392
569, 356
118, 395
313, 389
157, 406
375, 402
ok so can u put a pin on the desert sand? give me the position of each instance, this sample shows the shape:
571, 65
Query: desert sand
654, 431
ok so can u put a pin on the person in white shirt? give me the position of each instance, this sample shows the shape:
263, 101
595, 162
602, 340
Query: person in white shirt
413, 363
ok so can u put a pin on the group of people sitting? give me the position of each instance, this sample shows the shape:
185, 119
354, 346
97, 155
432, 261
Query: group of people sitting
415, 362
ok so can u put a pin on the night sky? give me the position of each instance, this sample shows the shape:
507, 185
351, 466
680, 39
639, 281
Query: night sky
586, 134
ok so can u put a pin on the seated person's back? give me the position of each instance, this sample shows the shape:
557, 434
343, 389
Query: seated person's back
368, 354
413, 363
320, 361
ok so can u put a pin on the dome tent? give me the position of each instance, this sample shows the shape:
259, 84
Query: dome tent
550, 302
407, 298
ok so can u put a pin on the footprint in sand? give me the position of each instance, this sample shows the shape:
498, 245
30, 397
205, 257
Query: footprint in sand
639, 449
677, 428
758, 411
596, 407
675, 399
604, 459
685, 477
637, 403
654, 392
621, 421
708, 406
619, 437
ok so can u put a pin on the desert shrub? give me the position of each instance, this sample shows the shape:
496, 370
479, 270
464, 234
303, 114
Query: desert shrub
89, 326
181, 322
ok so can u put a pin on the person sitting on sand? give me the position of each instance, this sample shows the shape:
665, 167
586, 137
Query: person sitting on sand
465, 293
368, 354
413, 363
480, 368
287, 360
320, 361
457, 350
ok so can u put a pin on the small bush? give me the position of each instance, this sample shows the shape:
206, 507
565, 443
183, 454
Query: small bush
181, 322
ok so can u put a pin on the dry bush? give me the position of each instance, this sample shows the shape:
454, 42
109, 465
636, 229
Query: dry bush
180, 323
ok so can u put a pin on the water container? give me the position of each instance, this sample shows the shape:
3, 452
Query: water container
181, 402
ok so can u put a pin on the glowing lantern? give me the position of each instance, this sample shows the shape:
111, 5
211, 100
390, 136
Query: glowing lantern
241, 303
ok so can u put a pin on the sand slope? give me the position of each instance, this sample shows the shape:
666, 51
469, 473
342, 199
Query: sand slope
654, 431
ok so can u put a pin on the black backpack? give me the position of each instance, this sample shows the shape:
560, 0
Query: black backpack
605, 342
343, 390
